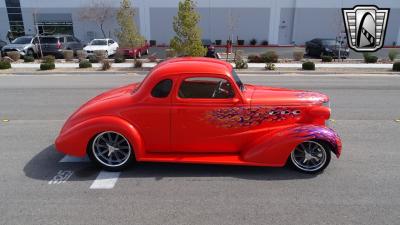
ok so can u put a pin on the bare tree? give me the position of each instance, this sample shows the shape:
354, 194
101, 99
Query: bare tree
98, 11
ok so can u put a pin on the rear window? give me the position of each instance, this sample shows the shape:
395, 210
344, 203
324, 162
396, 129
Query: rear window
48, 40
162, 89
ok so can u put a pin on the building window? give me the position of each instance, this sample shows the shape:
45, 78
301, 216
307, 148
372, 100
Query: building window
57, 23
15, 17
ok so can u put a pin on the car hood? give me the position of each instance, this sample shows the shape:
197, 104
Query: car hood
95, 47
16, 46
285, 97
107, 103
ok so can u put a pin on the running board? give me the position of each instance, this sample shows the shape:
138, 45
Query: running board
226, 159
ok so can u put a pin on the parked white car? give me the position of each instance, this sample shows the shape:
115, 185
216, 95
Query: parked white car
108, 45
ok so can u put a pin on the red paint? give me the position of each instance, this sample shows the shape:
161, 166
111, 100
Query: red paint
259, 126
136, 52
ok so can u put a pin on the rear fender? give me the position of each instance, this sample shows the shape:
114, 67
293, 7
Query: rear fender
74, 141
274, 148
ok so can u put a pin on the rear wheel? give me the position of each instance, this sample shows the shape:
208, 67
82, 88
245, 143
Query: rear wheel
30, 53
310, 157
111, 150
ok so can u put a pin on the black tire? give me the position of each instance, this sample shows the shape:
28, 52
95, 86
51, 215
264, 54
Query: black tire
30, 53
295, 157
94, 151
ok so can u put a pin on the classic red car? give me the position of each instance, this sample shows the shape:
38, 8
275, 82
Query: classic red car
197, 110
136, 52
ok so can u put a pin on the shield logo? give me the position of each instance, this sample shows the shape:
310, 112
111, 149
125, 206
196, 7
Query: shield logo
365, 27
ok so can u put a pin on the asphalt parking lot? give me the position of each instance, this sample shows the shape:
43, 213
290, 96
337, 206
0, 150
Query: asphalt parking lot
41, 186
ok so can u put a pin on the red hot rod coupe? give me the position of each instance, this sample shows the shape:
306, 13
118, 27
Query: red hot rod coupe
197, 110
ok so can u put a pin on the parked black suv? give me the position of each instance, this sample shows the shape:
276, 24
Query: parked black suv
55, 44
324, 46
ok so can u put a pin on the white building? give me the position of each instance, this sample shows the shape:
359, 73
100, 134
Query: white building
278, 21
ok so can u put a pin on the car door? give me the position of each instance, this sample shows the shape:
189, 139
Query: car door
201, 120
152, 116
112, 49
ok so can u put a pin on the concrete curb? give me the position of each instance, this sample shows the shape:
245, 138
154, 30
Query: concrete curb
251, 65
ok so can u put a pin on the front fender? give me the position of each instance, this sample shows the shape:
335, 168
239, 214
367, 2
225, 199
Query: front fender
74, 141
274, 148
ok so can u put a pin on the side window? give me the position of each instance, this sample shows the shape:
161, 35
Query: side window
70, 39
162, 89
110, 42
205, 87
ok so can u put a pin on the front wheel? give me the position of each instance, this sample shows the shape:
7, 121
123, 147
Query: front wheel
111, 150
310, 157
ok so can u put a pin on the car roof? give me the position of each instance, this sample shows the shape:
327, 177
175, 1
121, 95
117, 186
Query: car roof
191, 65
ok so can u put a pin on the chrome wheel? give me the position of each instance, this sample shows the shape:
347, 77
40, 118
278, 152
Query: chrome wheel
111, 149
309, 156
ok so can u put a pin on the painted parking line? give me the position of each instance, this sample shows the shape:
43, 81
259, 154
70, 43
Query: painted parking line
105, 180
71, 159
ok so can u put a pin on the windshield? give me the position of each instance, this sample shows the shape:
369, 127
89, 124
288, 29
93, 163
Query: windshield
22, 40
237, 80
98, 42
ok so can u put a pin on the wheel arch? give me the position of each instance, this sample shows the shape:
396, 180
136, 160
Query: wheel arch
275, 147
75, 140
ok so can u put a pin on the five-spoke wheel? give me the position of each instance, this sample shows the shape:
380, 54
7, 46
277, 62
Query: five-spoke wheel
310, 157
111, 150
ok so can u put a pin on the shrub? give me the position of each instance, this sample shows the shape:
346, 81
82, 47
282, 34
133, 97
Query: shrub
370, 58
396, 66
218, 42
119, 57
5, 65
106, 64
253, 41
254, 59
93, 59
393, 54
270, 66
308, 66
14, 55
85, 64
241, 64
265, 42
47, 66
81, 54
298, 55
137, 63
49, 59
170, 53
269, 57
68, 55
326, 58
100, 55
28, 58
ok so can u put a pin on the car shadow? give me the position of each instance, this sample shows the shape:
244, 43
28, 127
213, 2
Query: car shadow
45, 165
